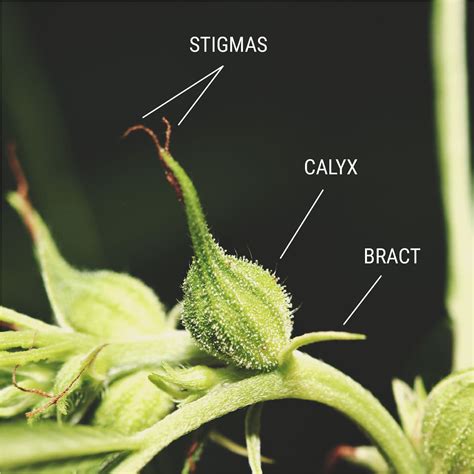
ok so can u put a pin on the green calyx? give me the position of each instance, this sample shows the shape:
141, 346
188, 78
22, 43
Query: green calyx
235, 309
110, 305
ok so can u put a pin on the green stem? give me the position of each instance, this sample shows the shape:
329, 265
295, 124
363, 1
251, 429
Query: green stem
452, 120
301, 377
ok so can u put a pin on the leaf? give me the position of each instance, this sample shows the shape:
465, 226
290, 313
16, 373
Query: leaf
20, 321
448, 425
23, 445
252, 436
186, 384
100, 463
80, 387
29, 339
103, 303
132, 404
410, 406
40, 341
53, 352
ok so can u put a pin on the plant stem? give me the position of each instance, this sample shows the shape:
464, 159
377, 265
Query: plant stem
301, 377
452, 120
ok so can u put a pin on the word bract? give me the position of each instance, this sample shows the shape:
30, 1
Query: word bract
383, 256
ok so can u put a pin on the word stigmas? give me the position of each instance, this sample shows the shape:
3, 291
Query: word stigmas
228, 44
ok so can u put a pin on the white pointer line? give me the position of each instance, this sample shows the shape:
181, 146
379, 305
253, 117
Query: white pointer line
360, 302
302, 222
200, 95
216, 72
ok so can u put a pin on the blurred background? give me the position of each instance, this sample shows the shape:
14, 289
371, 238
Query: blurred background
338, 81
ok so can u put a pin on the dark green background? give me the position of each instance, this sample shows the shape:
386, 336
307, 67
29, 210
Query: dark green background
338, 81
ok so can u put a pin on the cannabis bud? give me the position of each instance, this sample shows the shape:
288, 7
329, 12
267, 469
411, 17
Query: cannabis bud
235, 309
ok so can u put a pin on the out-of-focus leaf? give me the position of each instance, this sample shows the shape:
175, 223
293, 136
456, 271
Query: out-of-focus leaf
98, 464
448, 425
132, 404
234, 447
24, 445
103, 303
39, 341
53, 352
410, 406
20, 321
252, 436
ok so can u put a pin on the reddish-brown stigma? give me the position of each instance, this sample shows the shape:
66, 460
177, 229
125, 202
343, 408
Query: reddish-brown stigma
170, 177
342, 451
22, 187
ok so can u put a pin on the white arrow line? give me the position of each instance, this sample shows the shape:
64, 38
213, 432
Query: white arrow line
360, 302
215, 72
302, 222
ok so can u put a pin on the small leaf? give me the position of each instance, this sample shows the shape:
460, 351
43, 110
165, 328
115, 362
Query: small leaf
186, 384
23, 445
18, 321
79, 393
53, 352
103, 303
448, 425
410, 406
252, 436
40, 341
132, 404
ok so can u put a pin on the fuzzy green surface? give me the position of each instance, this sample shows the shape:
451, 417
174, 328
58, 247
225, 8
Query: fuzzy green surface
410, 406
24, 445
132, 404
300, 377
448, 425
235, 309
